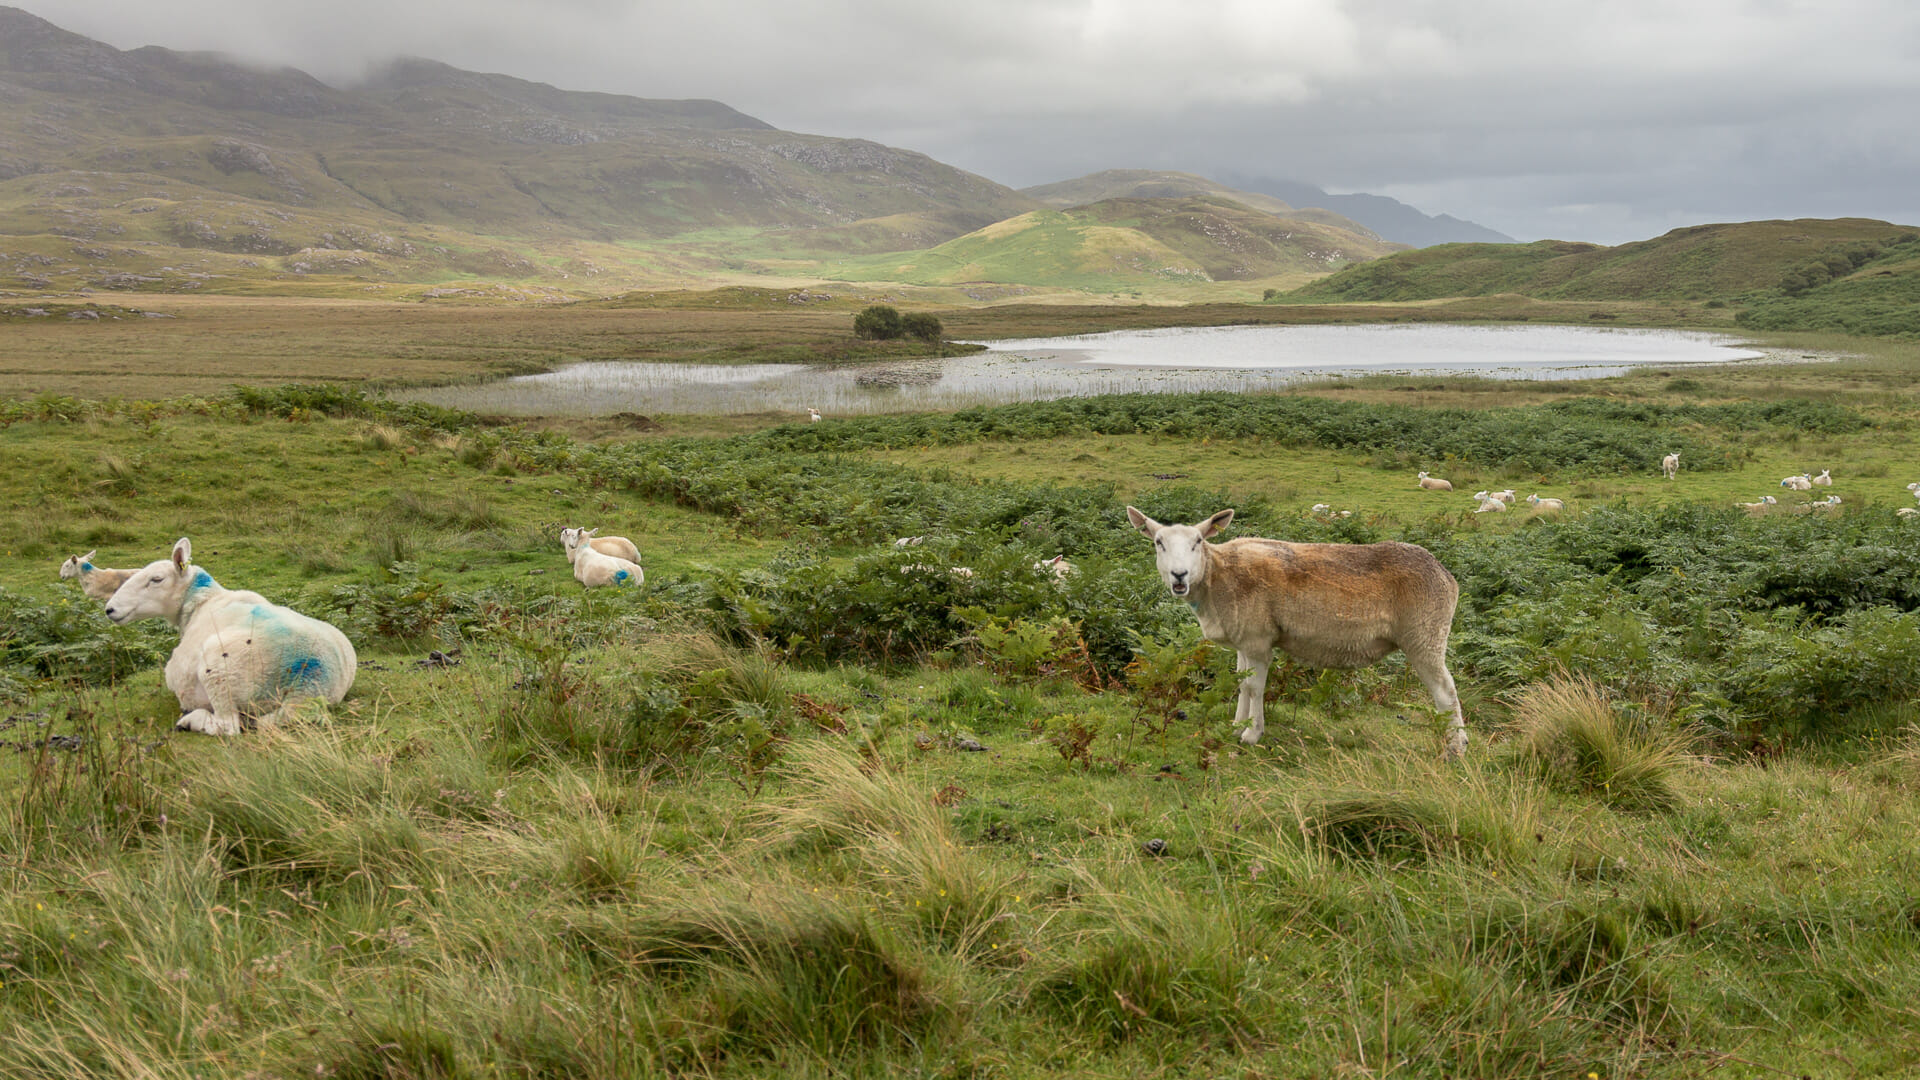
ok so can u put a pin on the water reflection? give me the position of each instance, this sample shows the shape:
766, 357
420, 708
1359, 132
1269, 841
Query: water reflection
1154, 361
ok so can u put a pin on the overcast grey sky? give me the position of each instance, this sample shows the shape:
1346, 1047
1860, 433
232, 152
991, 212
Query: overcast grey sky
1608, 121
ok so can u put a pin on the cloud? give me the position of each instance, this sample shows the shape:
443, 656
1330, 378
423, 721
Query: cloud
1536, 117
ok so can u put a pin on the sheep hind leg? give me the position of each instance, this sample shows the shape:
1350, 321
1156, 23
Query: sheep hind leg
1433, 673
1252, 709
208, 723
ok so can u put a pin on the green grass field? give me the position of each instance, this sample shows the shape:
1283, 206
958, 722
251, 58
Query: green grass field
800, 807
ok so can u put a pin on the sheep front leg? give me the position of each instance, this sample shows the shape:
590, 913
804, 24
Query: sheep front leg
1438, 680
1252, 709
206, 723
220, 679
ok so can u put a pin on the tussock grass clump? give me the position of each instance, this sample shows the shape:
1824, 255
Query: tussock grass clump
765, 971
391, 1049
383, 437
1576, 951
1568, 731
1153, 964
903, 843
1410, 809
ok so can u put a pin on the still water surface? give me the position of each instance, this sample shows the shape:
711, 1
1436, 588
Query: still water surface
1129, 361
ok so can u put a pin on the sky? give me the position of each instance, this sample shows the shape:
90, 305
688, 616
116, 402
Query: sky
1605, 121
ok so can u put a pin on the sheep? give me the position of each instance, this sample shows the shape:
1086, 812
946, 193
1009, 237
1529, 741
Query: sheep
1670, 465
239, 656
1490, 505
1825, 479
617, 546
813, 416
1322, 509
1755, 509
1058, 565
909, 541
1915, 488
97, 582
923, 568
1907, 512
1802, 482
1434, 483
1327, 605
594, 569
1546, 506
1828, 504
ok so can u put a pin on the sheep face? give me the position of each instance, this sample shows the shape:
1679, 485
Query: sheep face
573, 540
1179, 551
77, 563
159, 589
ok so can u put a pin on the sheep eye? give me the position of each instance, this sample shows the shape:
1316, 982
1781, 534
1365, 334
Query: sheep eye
159, 579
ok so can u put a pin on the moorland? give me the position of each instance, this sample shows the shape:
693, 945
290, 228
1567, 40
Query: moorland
809, 804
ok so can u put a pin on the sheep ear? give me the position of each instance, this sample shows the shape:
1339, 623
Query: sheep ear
182, 553
1147, 526
1215, 523
88, 557
587, 534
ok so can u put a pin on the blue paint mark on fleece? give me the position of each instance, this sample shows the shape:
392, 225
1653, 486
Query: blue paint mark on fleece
621, 575
306, 669
201, 580
84, 565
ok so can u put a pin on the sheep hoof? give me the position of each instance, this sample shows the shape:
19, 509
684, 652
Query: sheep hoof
1251, 736
1456, 744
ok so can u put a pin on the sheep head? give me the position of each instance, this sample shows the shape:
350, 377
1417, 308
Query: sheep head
1179, 551
76, 563
159, 589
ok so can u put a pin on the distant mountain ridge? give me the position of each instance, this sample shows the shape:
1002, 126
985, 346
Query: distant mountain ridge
1391, 218
1162, 184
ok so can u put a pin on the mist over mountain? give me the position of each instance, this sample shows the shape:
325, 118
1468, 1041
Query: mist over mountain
1391, 218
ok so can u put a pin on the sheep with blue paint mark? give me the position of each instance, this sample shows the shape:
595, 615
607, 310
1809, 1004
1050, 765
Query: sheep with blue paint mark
240, 657
97, 582
595, 569
617, 546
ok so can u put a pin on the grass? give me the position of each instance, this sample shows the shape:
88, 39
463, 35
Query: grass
627, 836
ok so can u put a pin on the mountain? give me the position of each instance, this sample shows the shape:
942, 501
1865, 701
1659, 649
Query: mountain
1158, 184
1126, 243
1701, 262
1391, 218
154, 169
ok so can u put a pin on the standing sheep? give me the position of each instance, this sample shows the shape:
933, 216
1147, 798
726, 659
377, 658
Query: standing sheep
617, 546
1434, 483
239, 656
813, 416
594, 569
1670, 465
97, 582
1327, 605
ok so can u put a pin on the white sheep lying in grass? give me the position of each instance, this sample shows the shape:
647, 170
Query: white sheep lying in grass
909, 541
1058, 565
1915, 488
1327, 605
1434, 483
1670, 465
1803, 482
1755, 509
1830, 503
617, 546
239, 656
1326, 512
1489, 504
1907, 512
97, 582
1546, 506
594, 569
1825, 479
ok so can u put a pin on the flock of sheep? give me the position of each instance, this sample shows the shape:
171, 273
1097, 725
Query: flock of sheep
242, 658
1493, 502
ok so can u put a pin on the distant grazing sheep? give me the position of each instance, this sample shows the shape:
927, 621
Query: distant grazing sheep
239, 656
1825, 479
908, 541
593, 569
1490, 505
1915, 488
1798, 483
1326, 512
1670, 465
617, 546
1755, 509
1432, 483
1327, 605
813, 416
97, 582
1546, 506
